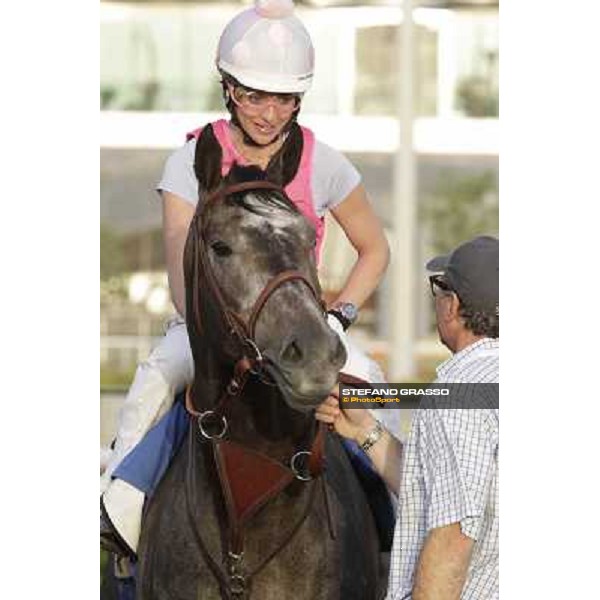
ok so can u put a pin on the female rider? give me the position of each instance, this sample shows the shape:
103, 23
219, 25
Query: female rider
266, 60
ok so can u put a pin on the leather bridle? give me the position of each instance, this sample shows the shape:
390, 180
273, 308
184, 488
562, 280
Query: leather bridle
272, 477
238, 331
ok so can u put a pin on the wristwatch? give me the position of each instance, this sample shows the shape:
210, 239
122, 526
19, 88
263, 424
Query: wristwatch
373, 437
345, 312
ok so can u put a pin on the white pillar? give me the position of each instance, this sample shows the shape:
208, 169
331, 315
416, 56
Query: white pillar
403, 275
346, 72
447, 65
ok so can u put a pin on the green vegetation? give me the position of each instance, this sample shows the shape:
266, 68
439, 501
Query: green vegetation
111, 378
477, 94
111, 253
460, 209
475, 98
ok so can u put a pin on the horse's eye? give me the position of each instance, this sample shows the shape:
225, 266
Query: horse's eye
221, 248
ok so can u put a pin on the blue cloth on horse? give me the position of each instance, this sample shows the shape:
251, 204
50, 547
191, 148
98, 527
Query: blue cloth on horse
146, 464
376, 491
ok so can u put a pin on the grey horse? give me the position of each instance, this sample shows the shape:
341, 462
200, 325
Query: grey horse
260, 502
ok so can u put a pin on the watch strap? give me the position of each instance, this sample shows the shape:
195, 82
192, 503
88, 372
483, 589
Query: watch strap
373, 437
341, 318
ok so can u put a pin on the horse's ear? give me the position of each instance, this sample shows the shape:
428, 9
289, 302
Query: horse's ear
207, 161
284, 164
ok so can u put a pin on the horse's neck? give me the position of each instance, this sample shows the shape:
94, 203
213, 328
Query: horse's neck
262, 420
272, 417
211, 376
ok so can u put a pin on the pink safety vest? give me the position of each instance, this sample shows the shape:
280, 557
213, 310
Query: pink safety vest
299, 189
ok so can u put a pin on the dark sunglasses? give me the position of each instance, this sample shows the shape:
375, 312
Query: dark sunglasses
437, 282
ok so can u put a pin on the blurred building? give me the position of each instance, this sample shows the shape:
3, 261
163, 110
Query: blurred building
158, 81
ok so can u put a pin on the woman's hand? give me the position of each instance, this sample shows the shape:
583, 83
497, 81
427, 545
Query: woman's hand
354, 424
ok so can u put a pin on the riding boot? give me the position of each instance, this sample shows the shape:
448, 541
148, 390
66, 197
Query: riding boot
136, 478
122, 506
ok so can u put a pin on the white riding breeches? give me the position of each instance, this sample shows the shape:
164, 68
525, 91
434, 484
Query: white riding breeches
167, 371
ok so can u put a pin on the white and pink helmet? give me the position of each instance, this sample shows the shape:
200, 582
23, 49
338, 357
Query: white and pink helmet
267, 48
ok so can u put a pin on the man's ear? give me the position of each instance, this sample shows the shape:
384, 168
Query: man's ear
453, 307
448, 308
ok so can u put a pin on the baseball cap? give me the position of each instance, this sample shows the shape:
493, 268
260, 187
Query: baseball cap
472, 272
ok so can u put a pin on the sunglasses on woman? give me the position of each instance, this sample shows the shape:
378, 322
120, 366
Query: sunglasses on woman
255, 101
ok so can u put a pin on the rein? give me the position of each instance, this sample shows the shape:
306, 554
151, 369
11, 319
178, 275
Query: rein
235, 463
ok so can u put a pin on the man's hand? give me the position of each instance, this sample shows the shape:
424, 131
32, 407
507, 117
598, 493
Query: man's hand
353, 424
356, 424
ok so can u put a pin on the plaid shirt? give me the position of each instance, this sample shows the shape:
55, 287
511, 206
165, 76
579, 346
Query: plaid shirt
450, 475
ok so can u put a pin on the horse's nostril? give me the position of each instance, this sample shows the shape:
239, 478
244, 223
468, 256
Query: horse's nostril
292, 353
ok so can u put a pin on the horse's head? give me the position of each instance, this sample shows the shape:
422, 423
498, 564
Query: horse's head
253, 252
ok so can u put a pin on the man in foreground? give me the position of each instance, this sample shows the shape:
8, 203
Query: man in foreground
446, 477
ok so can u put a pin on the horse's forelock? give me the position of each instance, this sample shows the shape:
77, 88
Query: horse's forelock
262, 201
254, 200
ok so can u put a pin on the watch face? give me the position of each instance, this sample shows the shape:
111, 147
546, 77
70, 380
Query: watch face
349, 311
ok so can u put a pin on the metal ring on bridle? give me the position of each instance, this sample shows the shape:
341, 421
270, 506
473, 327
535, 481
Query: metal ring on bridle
201, 426
297, 473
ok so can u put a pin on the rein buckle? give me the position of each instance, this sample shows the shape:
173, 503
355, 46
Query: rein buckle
237, 581
237, 585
